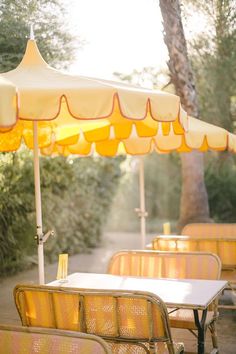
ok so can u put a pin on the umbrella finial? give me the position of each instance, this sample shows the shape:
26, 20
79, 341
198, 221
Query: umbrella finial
32, 32
32, 55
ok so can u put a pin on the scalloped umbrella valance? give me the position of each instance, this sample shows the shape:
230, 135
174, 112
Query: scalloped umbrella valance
8, 104
201, 136
55, 104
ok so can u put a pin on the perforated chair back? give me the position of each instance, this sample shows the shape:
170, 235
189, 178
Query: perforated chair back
217, 238
179, 265
159, 264
19, 340
224, 248
202, 230
117, 316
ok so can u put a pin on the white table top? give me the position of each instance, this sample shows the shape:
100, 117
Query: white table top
183, 293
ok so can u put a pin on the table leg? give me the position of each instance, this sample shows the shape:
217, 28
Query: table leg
200, 324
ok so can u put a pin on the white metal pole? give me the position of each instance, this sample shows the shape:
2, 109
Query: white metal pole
143, 212
38, 206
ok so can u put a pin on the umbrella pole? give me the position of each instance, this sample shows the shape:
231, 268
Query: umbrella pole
142, 211
38, 205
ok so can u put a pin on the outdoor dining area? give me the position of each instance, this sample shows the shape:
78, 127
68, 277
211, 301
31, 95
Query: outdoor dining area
143, 295
136, 303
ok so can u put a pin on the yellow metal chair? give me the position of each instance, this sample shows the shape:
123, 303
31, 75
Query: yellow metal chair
219, 238
224, 247
179, 265
202, 230
131, 322
19, 340
204, 238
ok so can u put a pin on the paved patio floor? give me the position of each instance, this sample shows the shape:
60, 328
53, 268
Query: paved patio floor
96, 262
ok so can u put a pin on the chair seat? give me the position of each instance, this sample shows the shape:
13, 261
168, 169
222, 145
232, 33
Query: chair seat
185, 318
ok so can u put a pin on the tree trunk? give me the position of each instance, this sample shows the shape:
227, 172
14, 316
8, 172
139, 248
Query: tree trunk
194, 201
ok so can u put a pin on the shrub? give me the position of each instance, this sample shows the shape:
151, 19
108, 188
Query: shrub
78, 212
220, 177
16, 206
162, 193
76, 196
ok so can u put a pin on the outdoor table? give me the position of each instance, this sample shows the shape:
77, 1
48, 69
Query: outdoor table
168, 238
176, 293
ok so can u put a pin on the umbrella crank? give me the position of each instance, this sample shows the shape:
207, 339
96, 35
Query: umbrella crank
41, 238
141, 213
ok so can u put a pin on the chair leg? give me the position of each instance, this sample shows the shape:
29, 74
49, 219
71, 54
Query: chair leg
212, 328
152, 348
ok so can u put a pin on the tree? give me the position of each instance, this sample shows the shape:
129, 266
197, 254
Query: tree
213, 56
150, 77
194, 202
214, 59
55, 42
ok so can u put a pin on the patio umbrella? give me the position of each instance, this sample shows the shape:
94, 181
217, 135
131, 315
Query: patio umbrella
201, 136
115, 108
8, 104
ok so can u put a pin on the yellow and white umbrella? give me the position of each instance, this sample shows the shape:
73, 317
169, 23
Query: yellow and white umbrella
8, 104
66, 114
201, 136
55, 106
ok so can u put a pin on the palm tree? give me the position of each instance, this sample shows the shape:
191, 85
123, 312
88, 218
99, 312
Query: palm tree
194, 201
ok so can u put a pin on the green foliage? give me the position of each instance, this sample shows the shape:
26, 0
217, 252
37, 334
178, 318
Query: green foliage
76, 196
48, 19
162, 193
76, 204
213, 55
16, 206
220, 177
163, 180
148, 77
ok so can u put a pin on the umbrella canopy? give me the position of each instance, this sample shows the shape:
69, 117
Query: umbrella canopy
201, 136
44, 92
55, 106
8, 104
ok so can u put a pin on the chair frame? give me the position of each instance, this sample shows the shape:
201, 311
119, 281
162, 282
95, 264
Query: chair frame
151, 299
55, 332
176, 239
164, 254
228, 271
211, 230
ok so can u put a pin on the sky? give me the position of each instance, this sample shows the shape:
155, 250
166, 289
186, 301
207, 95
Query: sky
120, 35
